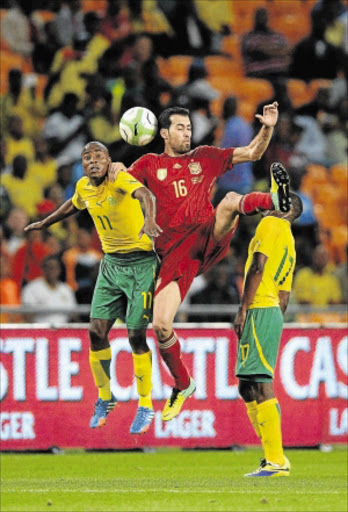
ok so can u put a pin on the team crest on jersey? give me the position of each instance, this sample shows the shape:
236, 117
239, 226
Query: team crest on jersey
161, 174
195, 168
111, 201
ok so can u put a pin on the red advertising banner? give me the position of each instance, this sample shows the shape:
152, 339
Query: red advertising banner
47, 390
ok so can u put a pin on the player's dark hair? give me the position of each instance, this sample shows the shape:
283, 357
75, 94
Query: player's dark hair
296, 206
95, 143
164, 118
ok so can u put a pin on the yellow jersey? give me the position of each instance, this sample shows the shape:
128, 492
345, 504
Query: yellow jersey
274, 239
117, 216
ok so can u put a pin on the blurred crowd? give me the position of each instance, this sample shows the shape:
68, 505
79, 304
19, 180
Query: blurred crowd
70, 68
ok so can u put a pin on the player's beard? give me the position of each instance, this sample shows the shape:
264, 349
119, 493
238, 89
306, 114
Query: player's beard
183, 148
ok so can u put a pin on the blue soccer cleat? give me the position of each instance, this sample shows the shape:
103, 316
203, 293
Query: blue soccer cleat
101, 410
142, 420
268, 469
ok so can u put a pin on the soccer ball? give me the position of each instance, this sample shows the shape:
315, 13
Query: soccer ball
138, 126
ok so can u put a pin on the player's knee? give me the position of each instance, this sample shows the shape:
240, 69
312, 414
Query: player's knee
137, 340
162, 328
230, 202
97, 335
246, 390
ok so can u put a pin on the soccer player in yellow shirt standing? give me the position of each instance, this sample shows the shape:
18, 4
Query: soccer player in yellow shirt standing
127, 273
259, 323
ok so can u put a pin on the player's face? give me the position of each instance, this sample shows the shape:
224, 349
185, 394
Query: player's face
179, 134
95, 162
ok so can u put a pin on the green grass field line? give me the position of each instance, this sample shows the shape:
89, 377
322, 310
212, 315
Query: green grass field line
171, 480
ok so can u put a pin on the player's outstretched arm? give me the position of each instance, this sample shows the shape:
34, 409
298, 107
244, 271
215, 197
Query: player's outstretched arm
252, 282
259, 144
149, 201
66, 210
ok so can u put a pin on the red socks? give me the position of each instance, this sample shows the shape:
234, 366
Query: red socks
171, 354
254, 202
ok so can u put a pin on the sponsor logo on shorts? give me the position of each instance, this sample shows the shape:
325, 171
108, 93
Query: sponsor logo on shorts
161, 174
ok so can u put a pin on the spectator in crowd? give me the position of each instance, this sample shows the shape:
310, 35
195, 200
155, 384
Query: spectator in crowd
45, 49
23, 191
341, 273
335, 131
237, 133
5, 203
43, 170
79, 261
336, 16
16, 142
22, 100
13, 228
16, 31
265, 52
317, 285
313, 57
97, 43
68, 22
64, 131
27, 259
48, 292
102, 123
9, 292
217, 290
69, 72
116, 25
217, 18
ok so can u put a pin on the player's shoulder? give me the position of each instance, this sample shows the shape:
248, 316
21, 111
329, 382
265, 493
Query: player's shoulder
148, 157
82, 183
205, 150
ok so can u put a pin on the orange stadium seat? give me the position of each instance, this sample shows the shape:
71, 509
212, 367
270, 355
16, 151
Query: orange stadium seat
339, 175
318, 83
293, 27
298, 92
45, 16
94, 5
255, 90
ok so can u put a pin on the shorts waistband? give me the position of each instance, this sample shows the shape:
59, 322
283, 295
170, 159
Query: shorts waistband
129, 257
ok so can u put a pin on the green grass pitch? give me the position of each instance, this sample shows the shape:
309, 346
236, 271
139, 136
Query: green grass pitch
171, 480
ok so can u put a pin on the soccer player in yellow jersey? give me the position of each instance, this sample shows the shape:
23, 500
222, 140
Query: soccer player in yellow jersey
259, 323
127, 273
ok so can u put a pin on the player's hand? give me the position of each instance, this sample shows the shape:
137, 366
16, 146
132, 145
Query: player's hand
34, 226
114, 169
239, 322
150, 228
270, 115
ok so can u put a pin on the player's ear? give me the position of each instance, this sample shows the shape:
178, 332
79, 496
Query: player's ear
164, 133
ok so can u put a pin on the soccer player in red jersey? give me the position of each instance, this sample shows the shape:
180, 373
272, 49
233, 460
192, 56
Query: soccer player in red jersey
195, 236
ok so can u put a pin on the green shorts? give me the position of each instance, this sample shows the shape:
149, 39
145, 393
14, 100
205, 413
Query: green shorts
125, 287
259, 344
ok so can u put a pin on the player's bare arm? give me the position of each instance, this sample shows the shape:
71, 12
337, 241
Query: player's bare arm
114, 169
66, 210
284, 297
149, 201
252, 282
259, 144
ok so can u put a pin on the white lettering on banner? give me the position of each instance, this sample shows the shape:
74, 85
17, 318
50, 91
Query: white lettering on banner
342, 358
223, 390
287, 366
3, 375
68, 368
43, 390
189, 424
16, 425
199, 348
19, 347
322, 369
336, 427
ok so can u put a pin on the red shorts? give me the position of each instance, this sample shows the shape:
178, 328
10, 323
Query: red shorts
187, 253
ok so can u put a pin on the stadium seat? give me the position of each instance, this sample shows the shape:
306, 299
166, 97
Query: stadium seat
255, 90
294, 28
318, 83
298, 92
45, 16
339, 175
94, 5
216, 65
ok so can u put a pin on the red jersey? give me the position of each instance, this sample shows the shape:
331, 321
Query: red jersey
182, 185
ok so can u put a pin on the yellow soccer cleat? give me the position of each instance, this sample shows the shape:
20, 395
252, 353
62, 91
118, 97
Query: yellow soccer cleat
175, 402
268, 469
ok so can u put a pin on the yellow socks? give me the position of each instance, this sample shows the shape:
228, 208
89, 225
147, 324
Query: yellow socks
268, 418
142, 372
252, 414
100, 365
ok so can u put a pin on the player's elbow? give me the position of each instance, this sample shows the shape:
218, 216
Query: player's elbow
255, 155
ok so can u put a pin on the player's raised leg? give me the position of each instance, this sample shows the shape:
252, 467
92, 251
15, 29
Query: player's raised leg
100, 359
166, 305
